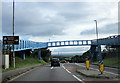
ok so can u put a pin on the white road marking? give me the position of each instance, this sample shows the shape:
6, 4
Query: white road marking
68, 71
97, 69
80, 65
63, 67
77, 78
73, 75
51, 67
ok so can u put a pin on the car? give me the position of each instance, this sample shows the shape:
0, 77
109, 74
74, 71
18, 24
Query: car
55, 62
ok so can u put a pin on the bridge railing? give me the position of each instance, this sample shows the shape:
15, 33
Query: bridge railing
24, 45
69, 43
111, 40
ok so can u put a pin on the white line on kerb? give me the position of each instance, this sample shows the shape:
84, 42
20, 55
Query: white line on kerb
97, 69
104, 71
77, 78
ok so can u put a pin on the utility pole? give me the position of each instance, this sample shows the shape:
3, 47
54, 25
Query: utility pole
96, 31
98, 45
13, 35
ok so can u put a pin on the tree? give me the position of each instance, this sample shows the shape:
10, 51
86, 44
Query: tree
45, 54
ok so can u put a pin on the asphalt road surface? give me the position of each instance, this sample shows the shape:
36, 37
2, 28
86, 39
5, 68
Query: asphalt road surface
65, 73
47, 73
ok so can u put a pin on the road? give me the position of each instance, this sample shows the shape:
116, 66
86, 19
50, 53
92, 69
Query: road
47, 73
65, 73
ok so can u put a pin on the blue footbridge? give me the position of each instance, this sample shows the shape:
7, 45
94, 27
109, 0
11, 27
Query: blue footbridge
31, 45
26, 44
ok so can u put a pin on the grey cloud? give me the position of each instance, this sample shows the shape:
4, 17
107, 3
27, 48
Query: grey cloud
76, 12
31, 21
108, 29
30, 18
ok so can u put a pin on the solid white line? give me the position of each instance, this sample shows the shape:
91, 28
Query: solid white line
68, 71
80, 65
63, 67
20, 75
51, 67
77, 78
73, 75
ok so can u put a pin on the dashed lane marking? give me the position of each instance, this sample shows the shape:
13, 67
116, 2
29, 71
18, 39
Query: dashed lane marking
51, 67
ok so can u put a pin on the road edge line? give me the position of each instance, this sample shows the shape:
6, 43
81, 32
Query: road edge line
78, 78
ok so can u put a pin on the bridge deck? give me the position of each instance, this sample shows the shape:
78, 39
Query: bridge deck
24, 44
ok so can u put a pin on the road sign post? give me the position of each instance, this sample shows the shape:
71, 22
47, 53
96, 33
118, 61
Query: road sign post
11, 40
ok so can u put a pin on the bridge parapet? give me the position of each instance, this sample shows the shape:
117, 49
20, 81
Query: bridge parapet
25, 44
111, 40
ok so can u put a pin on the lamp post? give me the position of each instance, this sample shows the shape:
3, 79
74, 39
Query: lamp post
96, 31
98, 45
101, 64
13, 35
97, 38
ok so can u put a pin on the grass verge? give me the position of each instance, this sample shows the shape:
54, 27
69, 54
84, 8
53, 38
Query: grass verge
113, 61
29, 61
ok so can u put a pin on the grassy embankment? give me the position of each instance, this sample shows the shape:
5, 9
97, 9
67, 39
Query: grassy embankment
29, 61
114, 61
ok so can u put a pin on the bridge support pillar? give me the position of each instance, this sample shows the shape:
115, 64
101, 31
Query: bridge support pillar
23, 55
39, 54
99, 53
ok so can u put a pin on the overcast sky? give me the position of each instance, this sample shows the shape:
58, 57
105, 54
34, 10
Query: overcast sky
57, 21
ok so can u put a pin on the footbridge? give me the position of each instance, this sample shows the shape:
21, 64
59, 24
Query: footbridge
25, 44
26, 47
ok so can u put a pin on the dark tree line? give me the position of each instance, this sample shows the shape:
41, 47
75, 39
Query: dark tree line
108, 52
45, 54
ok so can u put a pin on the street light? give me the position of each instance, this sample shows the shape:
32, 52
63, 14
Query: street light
101, 65
96, 31
13, 35
99, 48
97, 36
